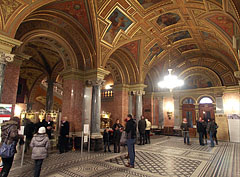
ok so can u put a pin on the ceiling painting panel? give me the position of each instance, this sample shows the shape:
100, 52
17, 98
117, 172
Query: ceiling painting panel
133, 47
179, 36
148, 3
119, 21
153, 52
187, 47
168, 19
197, 81
224, 24
77, 9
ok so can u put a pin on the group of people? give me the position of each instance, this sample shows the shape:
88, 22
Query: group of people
37, 137
144, 127
205, 127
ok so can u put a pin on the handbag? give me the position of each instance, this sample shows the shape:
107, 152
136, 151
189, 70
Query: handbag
7, 150
123, 139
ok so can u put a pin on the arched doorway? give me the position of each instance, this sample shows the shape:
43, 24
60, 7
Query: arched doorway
206, 108
188, 111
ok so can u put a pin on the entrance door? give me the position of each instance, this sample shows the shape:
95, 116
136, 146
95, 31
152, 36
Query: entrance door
188, 111
206, 111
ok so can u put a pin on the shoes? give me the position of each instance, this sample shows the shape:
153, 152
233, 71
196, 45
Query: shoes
130, 166
109, 151
139, 144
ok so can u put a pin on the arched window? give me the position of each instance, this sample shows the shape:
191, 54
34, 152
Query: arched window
188, 101
205, 100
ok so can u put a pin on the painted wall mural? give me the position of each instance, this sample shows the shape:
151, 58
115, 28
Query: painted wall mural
148, 3
8, 7
187, 47
197, 81
154, 51
223, 23
77, 9
118, 22
179, 36
168, 19
133, 48
208, 36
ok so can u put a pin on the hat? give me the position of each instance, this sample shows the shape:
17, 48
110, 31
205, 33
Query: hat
42, 130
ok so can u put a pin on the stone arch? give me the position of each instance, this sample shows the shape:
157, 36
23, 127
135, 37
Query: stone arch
205, 95
183, 98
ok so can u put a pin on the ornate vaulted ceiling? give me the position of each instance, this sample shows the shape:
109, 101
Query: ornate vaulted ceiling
137, 40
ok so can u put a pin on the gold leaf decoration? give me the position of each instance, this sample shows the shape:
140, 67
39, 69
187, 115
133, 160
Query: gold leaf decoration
8, 7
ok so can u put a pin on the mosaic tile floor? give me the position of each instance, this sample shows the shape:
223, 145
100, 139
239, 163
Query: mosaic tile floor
166, 156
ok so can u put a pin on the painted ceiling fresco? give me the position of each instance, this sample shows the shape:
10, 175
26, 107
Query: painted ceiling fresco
133, 47
223, 23
179, 36
118, 22
187, 47
153, 52
197, 81
168, 19
148, 3
77, 9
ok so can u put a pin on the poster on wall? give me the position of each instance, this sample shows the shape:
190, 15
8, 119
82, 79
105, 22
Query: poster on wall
222, 131
234, 127
5, 112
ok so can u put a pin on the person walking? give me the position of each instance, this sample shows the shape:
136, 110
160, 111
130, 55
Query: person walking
185, 128
141, 129
131, 139
200, 130
64, 135
147, 131
211, 130
28, 131
40, 144
9, 135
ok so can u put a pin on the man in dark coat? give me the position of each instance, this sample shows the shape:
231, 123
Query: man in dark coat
64, 134
141, 128
211, 128
200, 130
131, 139
28, 131
117, 135
48, 124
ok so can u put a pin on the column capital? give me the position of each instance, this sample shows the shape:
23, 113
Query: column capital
72, 74
98, 73
5, 57
137, 88
97, 82
20, 57
7, 43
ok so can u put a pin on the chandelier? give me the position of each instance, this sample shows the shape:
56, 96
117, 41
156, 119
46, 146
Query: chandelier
170, 81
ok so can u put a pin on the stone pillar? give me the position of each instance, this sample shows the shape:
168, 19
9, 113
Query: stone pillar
49, 97
2, 69
139, 104
87, 103
73, 100
177, 121
160, 110
197, 110
130, 103
219, 104
121, 102
96, 109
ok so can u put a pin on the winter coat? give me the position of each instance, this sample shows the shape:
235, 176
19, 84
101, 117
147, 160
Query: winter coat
11, 128
116, 135
29, 129
117, 125
48, 124
40, 144
200, 127
211, 127
141, 126
185, 127
64, 130
106, 136
149, 124
131, 129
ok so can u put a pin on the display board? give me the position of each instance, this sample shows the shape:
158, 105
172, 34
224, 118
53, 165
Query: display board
222, 131
234, 127
5, 113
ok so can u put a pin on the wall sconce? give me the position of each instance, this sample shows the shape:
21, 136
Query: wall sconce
169, 114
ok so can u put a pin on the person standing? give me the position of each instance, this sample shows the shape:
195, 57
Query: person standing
204, 123
117, 136
9, 135
64, 135
200, 130
215, 133
28, 131
141, 128
131, 139
147, 130
106, 139
48, 124
40, 144
185, 128
211, 130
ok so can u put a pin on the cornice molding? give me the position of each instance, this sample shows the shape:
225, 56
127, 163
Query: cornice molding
7, 43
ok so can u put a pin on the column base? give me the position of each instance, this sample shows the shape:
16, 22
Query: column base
96, 142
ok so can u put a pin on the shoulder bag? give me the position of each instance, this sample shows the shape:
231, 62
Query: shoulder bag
7, 150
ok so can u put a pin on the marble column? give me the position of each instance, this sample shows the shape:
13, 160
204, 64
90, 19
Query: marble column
130, 103
87, 103
49, 96
139, 104
2, 69
160, 110
96, 109
177, 121
219, 104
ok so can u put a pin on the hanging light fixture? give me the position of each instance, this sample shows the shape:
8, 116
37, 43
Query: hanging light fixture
170, 81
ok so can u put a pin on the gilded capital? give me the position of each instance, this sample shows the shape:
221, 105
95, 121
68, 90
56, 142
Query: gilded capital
4, 57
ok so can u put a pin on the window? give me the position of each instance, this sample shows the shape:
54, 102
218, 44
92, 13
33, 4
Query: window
188, 101
205, 100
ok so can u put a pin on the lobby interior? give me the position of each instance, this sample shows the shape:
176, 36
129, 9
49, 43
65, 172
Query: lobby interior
96, 61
